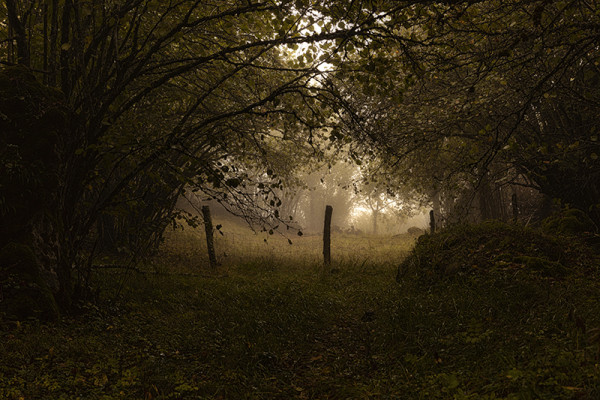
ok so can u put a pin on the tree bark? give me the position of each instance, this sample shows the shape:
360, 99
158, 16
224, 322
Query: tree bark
515, 207
52, 77
45, 39
65, 68
437, 213
432, 221
19, 31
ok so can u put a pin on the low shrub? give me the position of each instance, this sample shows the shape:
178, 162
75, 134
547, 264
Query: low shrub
496, 246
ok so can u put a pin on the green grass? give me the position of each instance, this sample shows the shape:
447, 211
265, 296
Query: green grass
278, 326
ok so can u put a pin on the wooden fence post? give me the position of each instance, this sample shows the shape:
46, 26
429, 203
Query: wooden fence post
432, 221
515, 207
210, 244
327, 236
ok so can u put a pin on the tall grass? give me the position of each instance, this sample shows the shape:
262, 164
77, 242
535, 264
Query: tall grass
237, 244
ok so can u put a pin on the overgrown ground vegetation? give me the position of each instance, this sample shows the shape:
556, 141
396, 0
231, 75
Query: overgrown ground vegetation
272, 322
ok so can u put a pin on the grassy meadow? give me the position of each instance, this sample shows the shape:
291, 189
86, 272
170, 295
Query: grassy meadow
273, 323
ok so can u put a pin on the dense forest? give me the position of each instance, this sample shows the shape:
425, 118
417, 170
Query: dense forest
121, 119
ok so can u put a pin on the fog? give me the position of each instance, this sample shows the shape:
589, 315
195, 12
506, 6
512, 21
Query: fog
359, 206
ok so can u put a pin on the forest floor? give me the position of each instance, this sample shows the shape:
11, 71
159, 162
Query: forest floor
279, 325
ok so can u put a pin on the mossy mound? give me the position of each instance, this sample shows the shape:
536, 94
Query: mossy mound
569, 222
495, 246
25, 293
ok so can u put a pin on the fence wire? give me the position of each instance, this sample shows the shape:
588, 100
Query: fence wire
235, 245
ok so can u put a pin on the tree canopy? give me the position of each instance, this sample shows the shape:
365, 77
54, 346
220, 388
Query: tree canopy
228, 97
483, 88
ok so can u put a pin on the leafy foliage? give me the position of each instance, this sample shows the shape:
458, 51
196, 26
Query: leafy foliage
465, 90
210, 96
161, 98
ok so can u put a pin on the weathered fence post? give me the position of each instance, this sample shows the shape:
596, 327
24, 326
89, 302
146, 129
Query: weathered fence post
432, 221
210, 244
327, 235
515, 207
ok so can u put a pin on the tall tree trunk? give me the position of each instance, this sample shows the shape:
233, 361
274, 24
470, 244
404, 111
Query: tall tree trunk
18, 28
45, 39
64, 297
52, 53
491, 205
65, 68
436, 203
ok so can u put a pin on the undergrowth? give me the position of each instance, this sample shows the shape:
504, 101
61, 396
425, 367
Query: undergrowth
268, 329
498, 248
